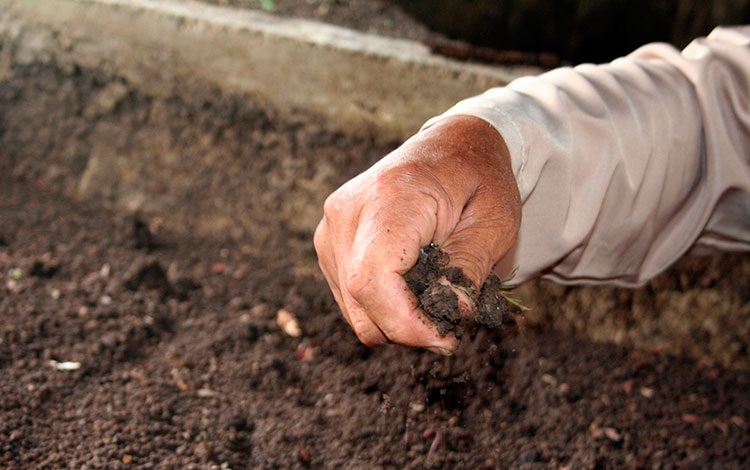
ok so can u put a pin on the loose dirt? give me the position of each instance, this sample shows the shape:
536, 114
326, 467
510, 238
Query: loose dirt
104, 365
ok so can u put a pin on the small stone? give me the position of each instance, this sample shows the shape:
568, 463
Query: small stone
237, 303
548, 379
259, 310
690, 418
288, 323
109, 97
530, 457
612, 434
416, 407
105, 271
202, 451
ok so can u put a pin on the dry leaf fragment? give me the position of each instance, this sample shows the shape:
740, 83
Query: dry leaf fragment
67, 365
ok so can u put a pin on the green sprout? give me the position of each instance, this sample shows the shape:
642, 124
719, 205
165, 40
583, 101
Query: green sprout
506, 291
267, 5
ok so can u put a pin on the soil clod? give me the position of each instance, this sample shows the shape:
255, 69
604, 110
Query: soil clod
435, 285
44, 269
142, 235
491, 308
147, 274
440, 304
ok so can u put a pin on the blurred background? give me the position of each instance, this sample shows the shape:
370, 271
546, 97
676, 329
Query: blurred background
573, 30
577, 30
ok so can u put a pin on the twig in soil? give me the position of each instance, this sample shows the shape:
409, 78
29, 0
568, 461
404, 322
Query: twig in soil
436, 441
65, 365
304, 455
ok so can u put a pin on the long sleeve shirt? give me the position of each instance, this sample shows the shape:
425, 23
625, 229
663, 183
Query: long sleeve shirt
624, 167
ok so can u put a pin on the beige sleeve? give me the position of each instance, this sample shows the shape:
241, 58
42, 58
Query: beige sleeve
624, 167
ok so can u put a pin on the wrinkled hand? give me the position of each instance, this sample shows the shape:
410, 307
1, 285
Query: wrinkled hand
452, 185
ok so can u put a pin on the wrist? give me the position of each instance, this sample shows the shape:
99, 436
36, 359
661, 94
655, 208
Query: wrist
471, 135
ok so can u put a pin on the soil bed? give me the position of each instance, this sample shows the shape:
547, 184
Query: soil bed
178, 362
127, 345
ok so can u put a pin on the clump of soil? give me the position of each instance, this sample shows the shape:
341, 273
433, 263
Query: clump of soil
433, 283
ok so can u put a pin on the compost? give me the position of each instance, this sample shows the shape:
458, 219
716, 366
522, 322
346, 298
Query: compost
118, 355
437, 287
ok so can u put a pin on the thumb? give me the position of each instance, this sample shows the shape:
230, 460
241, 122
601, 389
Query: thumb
485, 232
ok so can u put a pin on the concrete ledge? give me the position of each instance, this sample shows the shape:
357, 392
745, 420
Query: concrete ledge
352, 78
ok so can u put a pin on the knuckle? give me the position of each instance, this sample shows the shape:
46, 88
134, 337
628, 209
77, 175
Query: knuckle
408, 177
333, 205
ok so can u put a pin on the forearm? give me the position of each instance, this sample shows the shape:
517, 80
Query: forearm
623, 167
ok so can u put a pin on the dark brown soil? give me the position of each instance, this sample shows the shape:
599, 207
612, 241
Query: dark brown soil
207, 379
123, 345
427, 278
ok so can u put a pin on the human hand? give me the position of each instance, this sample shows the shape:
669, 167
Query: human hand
452, 185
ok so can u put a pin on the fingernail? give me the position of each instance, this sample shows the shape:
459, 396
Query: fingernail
441, 351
